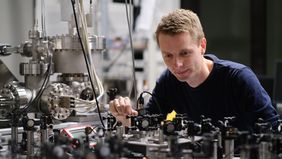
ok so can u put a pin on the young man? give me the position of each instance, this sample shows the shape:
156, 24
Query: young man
198, 84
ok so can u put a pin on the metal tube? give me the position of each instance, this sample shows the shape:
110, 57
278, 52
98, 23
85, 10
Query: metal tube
30, 144
215, 145
43, 135
229, 148
245, 152
161, 136
264, 152
120, 131
14, 139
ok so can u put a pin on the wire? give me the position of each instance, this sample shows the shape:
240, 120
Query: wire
141, 99
43, 86
49, 69
85, 39
87, 66
86, 104
132, 53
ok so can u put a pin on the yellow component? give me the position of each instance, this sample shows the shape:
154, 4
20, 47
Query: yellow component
171, 115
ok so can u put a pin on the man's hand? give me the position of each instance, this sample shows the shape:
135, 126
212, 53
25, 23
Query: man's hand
120, 108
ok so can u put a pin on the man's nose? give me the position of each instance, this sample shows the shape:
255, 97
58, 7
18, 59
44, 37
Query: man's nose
178, 62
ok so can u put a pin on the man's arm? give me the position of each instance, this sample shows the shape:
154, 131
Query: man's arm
255, 99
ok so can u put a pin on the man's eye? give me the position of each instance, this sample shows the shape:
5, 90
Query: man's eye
168, 56
184, 53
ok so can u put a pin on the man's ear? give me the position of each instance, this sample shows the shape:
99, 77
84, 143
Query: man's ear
203, 45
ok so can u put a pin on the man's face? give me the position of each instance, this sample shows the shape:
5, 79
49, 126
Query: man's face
182, 55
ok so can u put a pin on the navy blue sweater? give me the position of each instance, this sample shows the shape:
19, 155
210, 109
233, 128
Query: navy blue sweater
231, 89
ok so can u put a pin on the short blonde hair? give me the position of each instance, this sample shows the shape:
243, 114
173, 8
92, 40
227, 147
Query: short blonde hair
179, 21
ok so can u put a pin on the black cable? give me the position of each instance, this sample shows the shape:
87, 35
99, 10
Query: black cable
43, 86
142, 100
87, 65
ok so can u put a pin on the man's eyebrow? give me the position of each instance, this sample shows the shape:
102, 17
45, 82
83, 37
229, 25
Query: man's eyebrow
186, 49
165, 52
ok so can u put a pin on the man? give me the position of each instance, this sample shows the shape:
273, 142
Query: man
199, 84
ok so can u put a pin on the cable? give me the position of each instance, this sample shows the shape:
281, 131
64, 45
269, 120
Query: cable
85, 39
43, 86
85, 58
87, 47
86, 104
140, 99
132, 52
48, 71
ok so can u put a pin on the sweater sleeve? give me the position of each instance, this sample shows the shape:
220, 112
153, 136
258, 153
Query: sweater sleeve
253, 98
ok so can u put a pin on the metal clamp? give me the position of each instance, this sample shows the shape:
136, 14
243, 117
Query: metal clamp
3, 50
